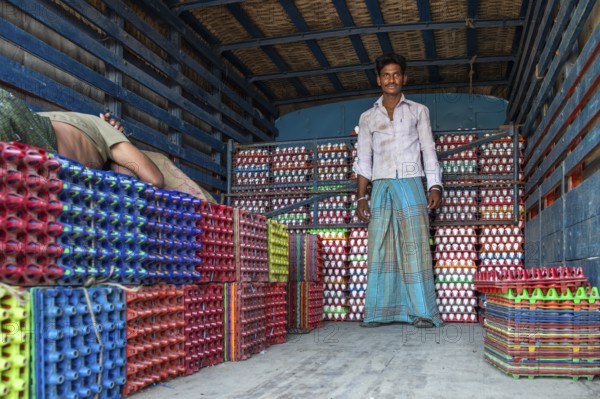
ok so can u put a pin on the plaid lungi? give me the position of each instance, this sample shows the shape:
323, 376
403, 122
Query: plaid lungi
400, 285
19, 123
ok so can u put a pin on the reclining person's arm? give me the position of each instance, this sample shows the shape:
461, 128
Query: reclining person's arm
128, 157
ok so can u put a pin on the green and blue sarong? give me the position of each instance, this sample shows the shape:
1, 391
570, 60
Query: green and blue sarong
400, 285
19, 123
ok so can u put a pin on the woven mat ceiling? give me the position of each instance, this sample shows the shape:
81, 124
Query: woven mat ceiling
303, 52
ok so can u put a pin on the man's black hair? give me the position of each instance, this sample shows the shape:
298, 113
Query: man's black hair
390, 58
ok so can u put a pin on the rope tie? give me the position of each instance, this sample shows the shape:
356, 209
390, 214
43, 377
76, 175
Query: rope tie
98, 337
19, 293
471, 73
537, 73
469, 23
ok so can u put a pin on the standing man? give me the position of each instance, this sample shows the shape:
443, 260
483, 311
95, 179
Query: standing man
395, 149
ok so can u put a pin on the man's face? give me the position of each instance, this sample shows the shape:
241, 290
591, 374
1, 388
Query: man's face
391, 79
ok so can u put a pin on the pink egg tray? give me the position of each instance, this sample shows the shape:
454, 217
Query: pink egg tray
499, 281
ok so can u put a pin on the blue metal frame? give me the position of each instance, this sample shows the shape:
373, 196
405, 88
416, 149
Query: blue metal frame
249, 26
584, 117
369, 66
533, 21
377, 17
68, 29
518, 37
472, 11
41, 86
583, 61
188, 18
375, 91
195, 41
292, 11
429, 40
536, 49
359, 48
377, 28
165, 67
180, 6
568, 39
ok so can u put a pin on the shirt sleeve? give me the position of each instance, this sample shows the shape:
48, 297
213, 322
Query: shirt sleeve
363, 165
432, 168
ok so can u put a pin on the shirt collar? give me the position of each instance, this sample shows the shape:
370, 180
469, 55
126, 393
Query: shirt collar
379, 102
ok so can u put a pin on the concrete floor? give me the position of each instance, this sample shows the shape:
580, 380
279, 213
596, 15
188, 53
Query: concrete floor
343, 360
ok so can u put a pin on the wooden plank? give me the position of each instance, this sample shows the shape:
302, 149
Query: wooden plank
527, 52
583, 149
204, 179
67, 29
588, 84
535, 99
43, 87
177, 55
584, 60
196, 41
532, 199
58, 59
582, 120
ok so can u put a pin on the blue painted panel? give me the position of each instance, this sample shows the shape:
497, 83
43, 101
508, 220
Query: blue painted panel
583, 202
583, 239
447, 111
532, 245
552, 248
552, 218
591, 269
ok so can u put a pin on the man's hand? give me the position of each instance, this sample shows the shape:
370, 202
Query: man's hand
362, 210
112, 121
434, 199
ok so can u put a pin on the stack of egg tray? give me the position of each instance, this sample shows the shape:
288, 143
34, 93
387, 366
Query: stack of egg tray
333, 210
335, 284
544, 332
203, 326
333, 162
79, 348
464, 162
455, 254
357, 273
251, 170
250, 246
217, 238
275, 313
500, 281
277, 235
245, 319
291, 165
15, 327
458, 206
305, 306
120, 229
29, 206
501, 247
102, 226
497, 158
306, 261
296, 217
155, 335
173, 236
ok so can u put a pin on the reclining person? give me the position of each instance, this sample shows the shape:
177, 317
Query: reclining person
87, 139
